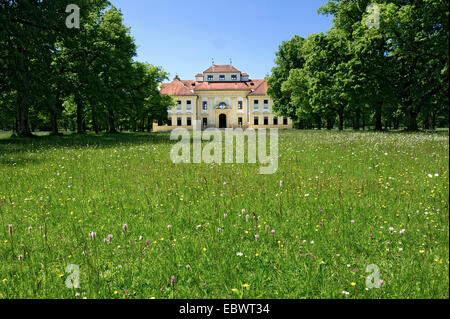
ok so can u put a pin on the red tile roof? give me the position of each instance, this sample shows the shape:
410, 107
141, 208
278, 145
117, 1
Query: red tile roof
222, 69
260, 87
185, 87
177, 87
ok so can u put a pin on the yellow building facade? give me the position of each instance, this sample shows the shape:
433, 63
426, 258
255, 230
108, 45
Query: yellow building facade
221, 97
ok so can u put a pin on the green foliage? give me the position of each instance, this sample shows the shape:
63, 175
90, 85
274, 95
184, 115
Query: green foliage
44, 64
395, 73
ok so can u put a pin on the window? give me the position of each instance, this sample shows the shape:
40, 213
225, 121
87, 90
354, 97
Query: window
205, 105
222, 105
255, 120
266, 104
239, 105
255, 104
234, 77
188, 104
275, 120
189, 121
178, 105
266, 120
179, 121
240, 121
169, 122
205, 122
285, 121
221, 77
210, 77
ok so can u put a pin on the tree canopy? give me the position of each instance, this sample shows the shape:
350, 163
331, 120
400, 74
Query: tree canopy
383, 64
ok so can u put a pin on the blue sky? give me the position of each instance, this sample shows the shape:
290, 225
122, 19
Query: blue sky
183, 36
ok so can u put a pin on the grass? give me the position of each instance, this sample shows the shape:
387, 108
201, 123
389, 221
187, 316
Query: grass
54, 191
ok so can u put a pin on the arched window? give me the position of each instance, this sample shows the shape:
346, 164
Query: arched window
222, 105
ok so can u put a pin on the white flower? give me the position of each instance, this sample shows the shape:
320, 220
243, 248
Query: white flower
402, 231
239, 254
345, 292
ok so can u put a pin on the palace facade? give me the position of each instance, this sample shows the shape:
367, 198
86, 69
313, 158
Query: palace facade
221, 97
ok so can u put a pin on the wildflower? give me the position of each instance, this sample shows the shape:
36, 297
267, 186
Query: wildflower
126, 291
247, 217
353, 284
256, 237
281, 183
273, 232
239, 254
402, 231
140, 237
10, 229
246, 286
119, 266
355, 270
203, 284
92, 235
352, 221
218, 230
371, 235
345, 292
234, 290
381, 283
198, 226
110, 237
243, 210
172, 281
20, 257
391, 230
225, 215
204, 249
30, 228
188, 266
124, 227
169, 227
40, 227
147, 242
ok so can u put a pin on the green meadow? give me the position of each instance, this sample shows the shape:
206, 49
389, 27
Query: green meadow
339, 202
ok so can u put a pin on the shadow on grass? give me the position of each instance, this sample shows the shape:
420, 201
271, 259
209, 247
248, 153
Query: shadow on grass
17, 145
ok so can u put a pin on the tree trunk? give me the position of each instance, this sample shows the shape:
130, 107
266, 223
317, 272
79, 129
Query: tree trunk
319, 122
79, 103
330, 123
363, 121
54, 114
23, 125
378, 111
433, 120
149, 124
112, 126
94, 122
357, 119
411, 120
341, 119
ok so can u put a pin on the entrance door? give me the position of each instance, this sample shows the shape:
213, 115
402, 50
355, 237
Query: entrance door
222, 121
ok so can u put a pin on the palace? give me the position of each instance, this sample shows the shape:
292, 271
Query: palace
221, 97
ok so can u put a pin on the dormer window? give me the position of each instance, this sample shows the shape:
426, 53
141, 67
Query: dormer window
222, 77
234, 77
210, 77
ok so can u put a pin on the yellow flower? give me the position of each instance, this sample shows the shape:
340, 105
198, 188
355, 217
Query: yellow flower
204, 249
421, 251
234, 290
61, 275
245, 286
115, 292
353, 284
153, 297
256, 254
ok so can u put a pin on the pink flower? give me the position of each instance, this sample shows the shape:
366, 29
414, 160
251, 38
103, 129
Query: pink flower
218, 230
147, 242
126, 291
172, 281
371, 235
10, 229
273, 232
247, 217
243, 210
110, 237
124, 227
